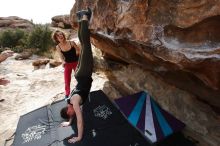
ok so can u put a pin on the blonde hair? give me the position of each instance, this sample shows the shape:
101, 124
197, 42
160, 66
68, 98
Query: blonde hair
54, 36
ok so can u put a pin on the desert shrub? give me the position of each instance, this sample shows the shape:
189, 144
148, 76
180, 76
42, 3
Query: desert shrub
40, 38
12, 38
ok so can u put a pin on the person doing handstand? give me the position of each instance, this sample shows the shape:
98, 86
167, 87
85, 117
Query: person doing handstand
83, 76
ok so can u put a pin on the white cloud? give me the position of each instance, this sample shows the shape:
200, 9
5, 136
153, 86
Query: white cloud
40, 11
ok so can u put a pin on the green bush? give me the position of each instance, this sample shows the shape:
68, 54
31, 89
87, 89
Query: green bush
40, 38
11, 38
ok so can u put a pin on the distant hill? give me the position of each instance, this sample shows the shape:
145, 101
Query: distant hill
15, 22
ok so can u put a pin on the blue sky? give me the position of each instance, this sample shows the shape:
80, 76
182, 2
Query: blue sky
40, 11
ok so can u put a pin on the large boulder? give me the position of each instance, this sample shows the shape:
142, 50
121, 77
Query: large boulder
23, 55
61, 21
177, 41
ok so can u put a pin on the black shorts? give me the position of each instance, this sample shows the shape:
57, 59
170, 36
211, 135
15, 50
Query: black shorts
82, 88
82, 93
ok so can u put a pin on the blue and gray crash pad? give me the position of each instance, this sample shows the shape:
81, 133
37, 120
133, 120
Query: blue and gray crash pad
135, 120
148, 117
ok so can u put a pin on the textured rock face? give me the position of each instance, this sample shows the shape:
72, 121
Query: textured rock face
14, 22
178, 40
61, 21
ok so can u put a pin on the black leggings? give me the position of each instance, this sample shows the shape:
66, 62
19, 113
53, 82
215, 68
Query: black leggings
85, 65
84, 69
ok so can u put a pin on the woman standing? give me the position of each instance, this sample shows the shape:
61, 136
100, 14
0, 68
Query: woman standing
69, 52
